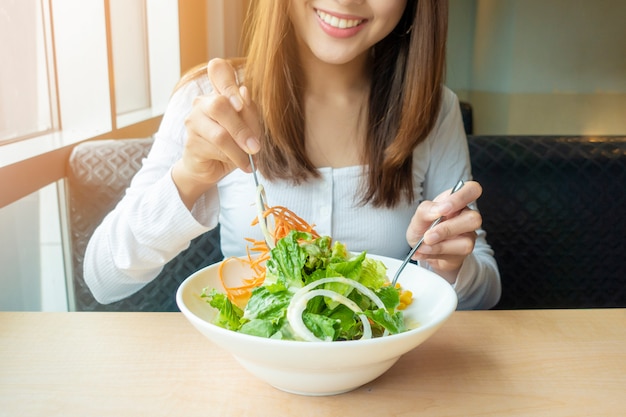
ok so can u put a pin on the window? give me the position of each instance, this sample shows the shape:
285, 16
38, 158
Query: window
142, 91
130, 56
82, 68
27, 105
72, 70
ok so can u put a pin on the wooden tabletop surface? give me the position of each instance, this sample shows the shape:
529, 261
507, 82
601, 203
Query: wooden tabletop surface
480, 363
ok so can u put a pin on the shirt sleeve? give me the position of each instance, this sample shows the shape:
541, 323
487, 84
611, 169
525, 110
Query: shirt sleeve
478, 282
151, 224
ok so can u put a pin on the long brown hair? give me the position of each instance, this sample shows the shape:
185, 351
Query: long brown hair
405, 96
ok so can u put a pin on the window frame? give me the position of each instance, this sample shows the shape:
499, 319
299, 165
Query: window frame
36, 160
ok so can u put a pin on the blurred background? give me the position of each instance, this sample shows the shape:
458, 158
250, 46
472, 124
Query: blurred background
540, 67
75, 70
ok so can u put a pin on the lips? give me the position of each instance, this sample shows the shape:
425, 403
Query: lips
339, 26
338, 22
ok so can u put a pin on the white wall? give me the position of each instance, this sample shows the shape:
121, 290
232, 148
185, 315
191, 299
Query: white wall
540, 67
32, 277
20, 255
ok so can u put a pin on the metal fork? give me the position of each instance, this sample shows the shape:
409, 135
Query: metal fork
256, 181
261, 202
456, 188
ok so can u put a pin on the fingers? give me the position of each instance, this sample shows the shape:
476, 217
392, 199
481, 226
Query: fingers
446, 258
217, 132
459, 245
466, 221
251, 119
446, 203
223, 126
448, 243
224, 80
243, 124
454, 237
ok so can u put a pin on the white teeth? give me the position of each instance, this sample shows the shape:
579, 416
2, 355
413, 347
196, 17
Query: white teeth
336, 22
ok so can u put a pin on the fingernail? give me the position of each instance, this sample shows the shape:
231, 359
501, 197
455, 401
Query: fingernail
244, 93
236, 102
253, 145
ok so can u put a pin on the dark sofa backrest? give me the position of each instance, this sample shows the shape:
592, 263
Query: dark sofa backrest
554, 209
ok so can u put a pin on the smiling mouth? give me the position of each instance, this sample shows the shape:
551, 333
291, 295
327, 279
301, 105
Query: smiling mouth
338, 22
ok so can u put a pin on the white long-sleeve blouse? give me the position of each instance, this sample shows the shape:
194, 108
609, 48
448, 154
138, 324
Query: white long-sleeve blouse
151, 225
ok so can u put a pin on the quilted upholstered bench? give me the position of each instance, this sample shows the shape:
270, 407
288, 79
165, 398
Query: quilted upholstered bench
98, 173
554, 209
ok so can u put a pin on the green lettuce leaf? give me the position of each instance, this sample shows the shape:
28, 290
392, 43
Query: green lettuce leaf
348, 325
318, 254
259, 327
267, 305
350, 269
392, 322
287, 260
390, 297
373, 273
229, 315
322, 327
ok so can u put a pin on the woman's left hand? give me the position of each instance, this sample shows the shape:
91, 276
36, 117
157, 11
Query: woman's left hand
446, 245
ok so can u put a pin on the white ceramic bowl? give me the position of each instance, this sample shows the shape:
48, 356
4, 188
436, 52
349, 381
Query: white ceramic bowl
322, 368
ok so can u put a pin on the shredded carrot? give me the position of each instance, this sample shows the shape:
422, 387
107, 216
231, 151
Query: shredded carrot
258, 252
285, 221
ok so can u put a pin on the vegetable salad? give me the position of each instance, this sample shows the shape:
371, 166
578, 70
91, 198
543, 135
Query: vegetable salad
315, 290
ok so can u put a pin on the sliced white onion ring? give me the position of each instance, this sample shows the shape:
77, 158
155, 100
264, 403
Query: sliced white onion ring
341, 280
298, 304
295, 310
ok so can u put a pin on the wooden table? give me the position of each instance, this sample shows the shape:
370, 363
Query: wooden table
481, 363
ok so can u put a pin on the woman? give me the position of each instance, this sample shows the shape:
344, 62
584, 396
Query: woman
343, 106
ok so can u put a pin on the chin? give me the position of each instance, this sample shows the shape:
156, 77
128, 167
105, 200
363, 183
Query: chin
337, 56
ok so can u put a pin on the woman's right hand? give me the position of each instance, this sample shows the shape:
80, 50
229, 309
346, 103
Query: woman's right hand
222, 129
